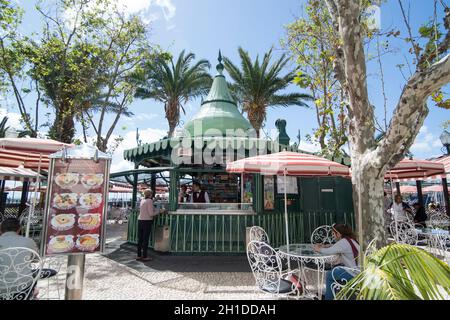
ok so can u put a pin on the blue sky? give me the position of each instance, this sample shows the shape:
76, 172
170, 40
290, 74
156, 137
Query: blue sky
205, 26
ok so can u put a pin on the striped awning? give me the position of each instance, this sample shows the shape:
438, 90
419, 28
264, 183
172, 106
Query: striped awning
297, 164
411, 170
18, 174
28, 152
445, 160
30, 160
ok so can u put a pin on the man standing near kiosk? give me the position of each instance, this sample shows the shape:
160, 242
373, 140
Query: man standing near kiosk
198, 195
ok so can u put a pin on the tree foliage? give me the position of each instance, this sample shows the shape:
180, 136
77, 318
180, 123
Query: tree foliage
258, 85
399, 272
311, 41
174, 83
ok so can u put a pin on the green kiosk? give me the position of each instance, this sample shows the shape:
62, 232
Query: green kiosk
219, 133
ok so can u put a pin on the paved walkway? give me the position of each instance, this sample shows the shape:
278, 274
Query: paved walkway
117, 275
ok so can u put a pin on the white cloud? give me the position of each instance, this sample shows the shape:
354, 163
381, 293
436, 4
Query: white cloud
148, 10
147, 136
142, 117
426, 142
13, 119
167, 7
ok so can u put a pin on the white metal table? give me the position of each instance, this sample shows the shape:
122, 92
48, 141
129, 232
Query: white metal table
304, 253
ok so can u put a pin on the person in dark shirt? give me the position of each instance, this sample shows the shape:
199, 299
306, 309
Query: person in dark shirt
420, 217
198, 195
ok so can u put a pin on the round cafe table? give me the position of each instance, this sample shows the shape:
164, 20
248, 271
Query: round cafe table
304, 254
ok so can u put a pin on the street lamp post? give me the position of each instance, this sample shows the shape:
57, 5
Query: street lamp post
445, 139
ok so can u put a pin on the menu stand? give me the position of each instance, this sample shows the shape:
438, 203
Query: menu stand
75, 277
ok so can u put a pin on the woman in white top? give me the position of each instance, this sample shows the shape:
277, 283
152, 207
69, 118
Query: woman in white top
347, 249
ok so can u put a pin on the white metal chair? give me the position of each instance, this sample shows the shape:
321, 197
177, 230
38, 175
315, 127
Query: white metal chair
404, 232
268, 271
439, 220
339, 283
52, 288
20, 268
322, 234
258, 234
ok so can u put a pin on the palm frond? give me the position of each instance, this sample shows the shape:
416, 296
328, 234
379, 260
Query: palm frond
400, 272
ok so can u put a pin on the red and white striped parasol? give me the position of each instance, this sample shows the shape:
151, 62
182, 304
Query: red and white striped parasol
408, 170
291, 163
31, 153
288, 163
17, 174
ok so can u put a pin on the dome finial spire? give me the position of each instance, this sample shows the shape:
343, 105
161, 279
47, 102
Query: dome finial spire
220, 66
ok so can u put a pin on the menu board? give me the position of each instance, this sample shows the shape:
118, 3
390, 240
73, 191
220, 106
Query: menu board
75, 207
291, 184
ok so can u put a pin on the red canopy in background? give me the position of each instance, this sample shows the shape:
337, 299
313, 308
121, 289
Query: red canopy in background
28, 152
435, 188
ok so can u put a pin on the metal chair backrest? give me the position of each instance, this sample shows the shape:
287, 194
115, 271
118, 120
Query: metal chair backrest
338, 283
20, 268
258, 234
266, 266
323, 235
404, 232
439, 220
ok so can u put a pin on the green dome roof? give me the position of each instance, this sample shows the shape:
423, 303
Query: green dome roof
218, 115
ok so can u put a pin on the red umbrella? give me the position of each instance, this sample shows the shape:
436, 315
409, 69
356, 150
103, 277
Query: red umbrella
28, 152
288, 163
408, 189
415, 170
435, 188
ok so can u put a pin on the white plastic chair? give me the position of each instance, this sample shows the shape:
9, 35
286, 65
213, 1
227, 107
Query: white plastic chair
323, 235
20, 268
258, 234
268, 271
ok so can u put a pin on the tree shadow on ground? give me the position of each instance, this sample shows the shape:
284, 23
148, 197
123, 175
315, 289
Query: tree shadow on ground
181, 263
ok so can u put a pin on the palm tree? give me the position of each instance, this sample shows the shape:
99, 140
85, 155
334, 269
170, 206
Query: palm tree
399, 272
174, 84
257, 86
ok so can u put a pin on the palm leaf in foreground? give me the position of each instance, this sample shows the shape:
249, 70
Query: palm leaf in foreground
400, 272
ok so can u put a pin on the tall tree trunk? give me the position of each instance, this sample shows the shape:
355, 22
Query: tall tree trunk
63, 128
172, 116
370, 160
368, 187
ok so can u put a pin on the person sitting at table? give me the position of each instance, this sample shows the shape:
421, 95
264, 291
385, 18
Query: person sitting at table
198, 195
400, 209
420, 217
10, 238
347, 250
